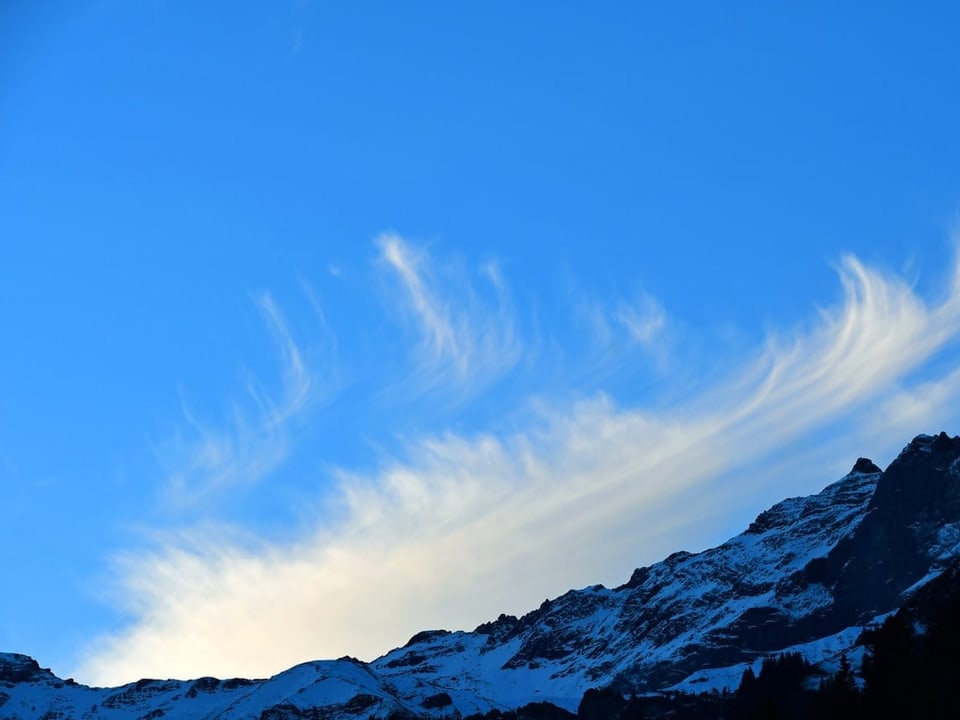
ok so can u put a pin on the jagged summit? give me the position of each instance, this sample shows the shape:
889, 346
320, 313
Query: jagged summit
941, 441
865, 466
17, 668
805, 576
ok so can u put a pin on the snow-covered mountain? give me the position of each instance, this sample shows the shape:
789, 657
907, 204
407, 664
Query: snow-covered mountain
806, 575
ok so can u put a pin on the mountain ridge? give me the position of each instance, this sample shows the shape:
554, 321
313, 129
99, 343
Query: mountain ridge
808, 574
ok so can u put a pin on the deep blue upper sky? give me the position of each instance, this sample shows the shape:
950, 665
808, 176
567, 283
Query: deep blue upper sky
259, 260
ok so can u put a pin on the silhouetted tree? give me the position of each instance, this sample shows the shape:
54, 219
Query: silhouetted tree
890, 668
838, 697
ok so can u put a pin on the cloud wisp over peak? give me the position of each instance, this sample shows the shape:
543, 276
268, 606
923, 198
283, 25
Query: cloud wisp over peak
584, 492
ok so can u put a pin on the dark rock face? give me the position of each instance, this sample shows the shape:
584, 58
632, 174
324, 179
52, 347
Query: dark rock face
865, 466
138, 692
898, 543
409, 659
16, 668
434, 702
499, 630
424, 635
921, 485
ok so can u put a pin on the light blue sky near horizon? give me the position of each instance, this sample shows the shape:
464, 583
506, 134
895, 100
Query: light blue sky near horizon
252, 252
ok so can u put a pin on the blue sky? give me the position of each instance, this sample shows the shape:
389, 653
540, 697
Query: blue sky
323, 325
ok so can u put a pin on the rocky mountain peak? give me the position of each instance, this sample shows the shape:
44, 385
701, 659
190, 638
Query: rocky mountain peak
907, 532
16, 668
865, 466
922, 484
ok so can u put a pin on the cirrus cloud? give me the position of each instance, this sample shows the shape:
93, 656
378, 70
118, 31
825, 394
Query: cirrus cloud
459, 527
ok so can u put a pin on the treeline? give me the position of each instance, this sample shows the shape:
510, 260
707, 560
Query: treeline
911, 669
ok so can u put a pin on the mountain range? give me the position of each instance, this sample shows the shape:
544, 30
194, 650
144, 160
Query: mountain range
807, 576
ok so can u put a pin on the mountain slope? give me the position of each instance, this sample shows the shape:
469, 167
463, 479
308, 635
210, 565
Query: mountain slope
806, 575
719, 607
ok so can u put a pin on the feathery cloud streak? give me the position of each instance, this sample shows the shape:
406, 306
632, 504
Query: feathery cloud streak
255, 440
585, 493
464, 342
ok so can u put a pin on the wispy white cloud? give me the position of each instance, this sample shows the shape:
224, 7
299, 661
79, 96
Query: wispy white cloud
641, 321
297, 381
925, 405
433, 316
644, 320
621, 334
203, 459
311, 295
466, 340
462, 528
